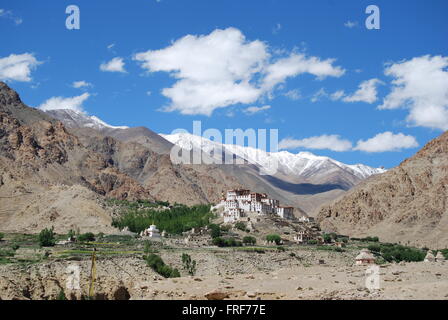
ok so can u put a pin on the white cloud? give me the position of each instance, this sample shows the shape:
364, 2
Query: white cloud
253, 110
223, 68
321, 93
293, 94
367, 92
72, 103
421, 86
114, 65
81, 84
297, 64
387, 141
382, 142
8, 14
337, 95
17, 67
330, 142
350, 24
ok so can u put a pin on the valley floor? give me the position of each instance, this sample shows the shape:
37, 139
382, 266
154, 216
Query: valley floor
232, 273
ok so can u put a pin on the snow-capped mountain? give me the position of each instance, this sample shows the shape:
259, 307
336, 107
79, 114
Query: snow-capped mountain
77, 119
302, 164
303, 180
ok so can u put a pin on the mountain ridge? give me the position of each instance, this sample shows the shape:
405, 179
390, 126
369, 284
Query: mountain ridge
408, 203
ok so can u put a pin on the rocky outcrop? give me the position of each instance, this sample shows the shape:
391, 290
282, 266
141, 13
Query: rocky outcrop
50, 281
408, 203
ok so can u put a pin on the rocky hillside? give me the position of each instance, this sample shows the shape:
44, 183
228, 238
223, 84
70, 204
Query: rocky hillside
408, 203
49, 178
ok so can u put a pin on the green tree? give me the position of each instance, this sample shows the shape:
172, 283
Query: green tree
249, 240
189, 264
274, 238
218, 241
47, 237
327, 237
1, 236
215, 230
86, 237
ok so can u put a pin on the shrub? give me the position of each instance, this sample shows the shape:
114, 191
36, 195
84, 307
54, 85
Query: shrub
215, 231
47, 237
329, 237
86, 237
312, 241
1, 236
225, 228
147, 248
229, 242
445, 253
274, 238
343, 239
71, 233
374, 247
281, 249
6, 253
249, 240
397, 253
61, 295
240, 226
218, 241
189, 264
156, 263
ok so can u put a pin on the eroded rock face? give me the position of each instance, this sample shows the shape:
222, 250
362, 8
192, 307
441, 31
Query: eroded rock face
407, 203
47, 281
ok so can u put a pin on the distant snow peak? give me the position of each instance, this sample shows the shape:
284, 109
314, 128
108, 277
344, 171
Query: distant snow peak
301, 164
81, 119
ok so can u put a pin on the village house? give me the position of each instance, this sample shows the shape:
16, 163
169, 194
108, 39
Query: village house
239, 202
302, 237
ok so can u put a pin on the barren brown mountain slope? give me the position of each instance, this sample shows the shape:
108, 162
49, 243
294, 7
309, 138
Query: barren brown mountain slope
165, 181
38, 156
407, 204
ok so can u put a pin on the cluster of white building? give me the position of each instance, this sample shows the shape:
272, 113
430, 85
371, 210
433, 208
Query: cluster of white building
239, 202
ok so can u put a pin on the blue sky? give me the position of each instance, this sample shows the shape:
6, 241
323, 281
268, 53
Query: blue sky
318, 107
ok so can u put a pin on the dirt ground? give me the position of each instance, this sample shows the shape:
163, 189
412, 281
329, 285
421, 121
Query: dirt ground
227, 273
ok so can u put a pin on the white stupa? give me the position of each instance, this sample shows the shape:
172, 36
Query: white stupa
151, 232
